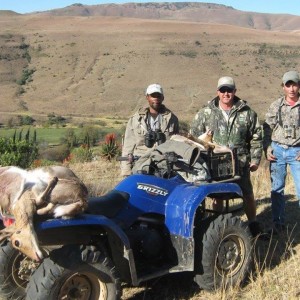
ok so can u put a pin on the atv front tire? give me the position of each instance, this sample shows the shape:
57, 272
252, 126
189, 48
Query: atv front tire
15, 270
75, 272
224, 253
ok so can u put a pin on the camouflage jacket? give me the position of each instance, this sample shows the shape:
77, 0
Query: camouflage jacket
242, 129
138, 126
282, 124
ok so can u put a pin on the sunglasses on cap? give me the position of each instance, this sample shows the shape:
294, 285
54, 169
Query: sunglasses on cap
225, 89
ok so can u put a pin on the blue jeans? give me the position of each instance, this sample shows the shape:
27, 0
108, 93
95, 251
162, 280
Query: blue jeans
278, 169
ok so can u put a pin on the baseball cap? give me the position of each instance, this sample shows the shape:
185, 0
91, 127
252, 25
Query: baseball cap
226, 81
154, 88
290, 76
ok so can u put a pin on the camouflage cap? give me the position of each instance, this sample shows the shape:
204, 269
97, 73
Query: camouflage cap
290, 76
226, 81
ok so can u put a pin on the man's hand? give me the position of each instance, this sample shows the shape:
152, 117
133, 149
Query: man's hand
253, 167
269, 154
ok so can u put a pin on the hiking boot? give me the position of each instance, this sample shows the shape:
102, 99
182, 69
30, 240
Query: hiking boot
257, 231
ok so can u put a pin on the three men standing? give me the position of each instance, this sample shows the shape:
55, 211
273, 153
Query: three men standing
236, 125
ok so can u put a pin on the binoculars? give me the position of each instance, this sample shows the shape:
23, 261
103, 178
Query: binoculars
154, 136
289, 131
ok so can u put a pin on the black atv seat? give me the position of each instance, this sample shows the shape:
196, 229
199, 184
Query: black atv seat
107, 205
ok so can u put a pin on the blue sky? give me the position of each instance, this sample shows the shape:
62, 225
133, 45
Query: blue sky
265, 6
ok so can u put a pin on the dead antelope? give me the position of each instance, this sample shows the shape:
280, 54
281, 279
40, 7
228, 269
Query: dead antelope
52, 190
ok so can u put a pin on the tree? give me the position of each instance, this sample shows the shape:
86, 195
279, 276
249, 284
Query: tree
58, 120
25, 120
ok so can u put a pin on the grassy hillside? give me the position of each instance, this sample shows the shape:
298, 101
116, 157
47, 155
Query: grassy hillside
99, 66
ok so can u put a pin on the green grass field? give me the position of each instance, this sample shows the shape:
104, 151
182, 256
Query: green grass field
53, 136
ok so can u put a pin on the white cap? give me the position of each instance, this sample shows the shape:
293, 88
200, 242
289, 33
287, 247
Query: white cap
154, 88
226, 81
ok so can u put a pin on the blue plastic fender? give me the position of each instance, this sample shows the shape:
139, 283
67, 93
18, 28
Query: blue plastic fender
82, 220
183, 202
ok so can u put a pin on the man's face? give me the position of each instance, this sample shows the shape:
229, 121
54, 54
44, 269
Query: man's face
226, 95
155, 100
291, 90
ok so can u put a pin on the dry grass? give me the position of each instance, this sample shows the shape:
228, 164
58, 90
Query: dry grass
277, 262
99, 176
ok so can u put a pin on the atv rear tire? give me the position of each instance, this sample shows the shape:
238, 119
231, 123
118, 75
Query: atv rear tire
15, 270
225, 253
75, 272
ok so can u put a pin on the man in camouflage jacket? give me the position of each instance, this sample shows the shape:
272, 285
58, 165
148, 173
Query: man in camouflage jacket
148, 119
236, 125
282, 145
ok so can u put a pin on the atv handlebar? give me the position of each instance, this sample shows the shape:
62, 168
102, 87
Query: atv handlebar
170, 157
130, 158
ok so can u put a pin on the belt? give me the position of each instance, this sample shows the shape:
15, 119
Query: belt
287, 146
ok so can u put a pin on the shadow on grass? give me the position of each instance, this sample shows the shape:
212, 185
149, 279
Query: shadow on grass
270, 253
169, 287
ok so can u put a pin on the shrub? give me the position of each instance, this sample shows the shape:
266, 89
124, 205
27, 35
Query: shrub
54, 153
80, 155
18, 151
25, 120
190, 54
56, 120
169, 52
26, 76
110, 147
89, 135
70, 138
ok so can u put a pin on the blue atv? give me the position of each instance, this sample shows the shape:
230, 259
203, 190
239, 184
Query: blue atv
149, 225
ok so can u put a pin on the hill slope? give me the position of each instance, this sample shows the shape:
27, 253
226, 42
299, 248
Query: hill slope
74, 65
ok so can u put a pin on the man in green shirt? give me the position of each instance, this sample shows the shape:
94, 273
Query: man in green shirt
236, 125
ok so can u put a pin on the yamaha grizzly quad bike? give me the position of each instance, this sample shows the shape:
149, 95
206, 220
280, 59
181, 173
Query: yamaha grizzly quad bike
149, 225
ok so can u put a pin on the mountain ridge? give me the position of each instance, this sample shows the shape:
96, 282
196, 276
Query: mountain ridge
184, 11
